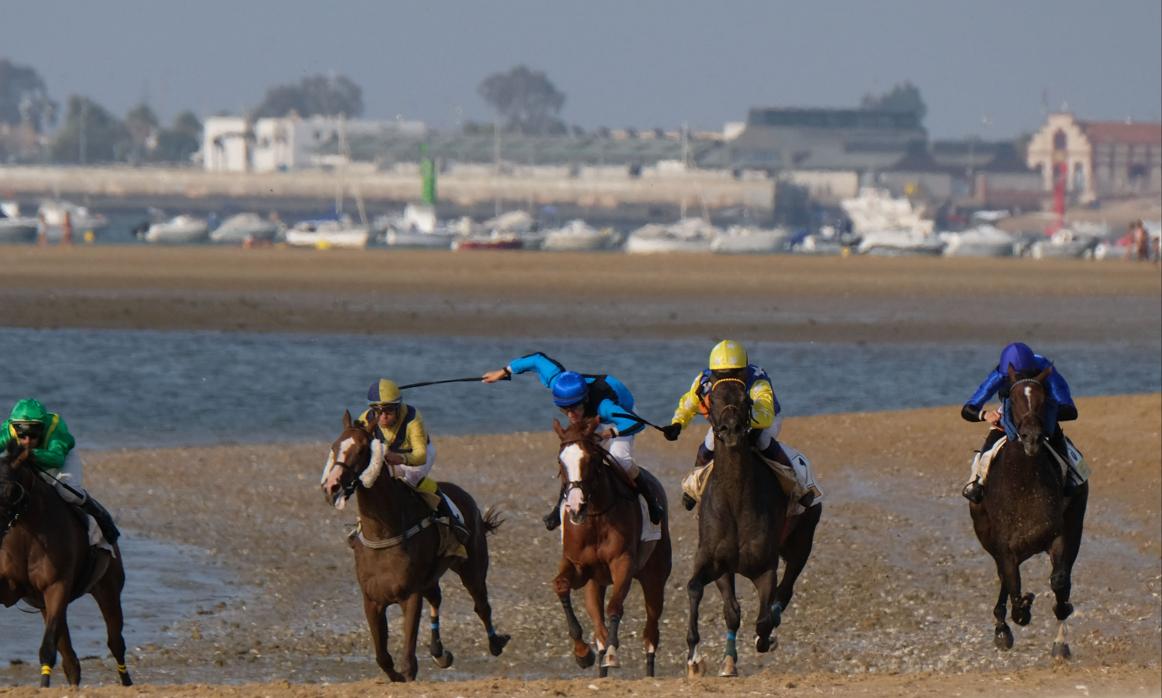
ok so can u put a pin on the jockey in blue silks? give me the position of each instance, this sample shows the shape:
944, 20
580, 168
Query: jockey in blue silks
580, 397
1059, 407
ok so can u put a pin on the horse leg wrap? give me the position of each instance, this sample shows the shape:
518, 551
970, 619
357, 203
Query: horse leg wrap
731, 648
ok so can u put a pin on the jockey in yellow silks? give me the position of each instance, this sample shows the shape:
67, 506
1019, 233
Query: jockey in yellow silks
403, 443
729, 359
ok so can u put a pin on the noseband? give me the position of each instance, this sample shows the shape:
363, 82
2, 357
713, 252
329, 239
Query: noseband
714, 424
583, 483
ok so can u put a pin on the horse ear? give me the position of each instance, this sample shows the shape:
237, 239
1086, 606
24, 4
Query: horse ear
557, 428
1013, 377
1042, 376
346, 419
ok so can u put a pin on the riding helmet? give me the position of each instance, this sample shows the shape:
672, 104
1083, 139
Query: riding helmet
569, 388
1019, 356
383, 392
29, 410
727, 354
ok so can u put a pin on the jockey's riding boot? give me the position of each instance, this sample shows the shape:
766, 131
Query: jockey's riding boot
553, 518
973, 491
688, 502
104, 519
444, 511
652, 504
701, 460
775, 453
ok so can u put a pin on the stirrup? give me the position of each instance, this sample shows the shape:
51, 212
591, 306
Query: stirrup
688, 502
973, 492
553, 519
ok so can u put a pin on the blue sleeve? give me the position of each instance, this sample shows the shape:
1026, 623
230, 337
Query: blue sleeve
547, 368
624, 403
986, 390
1059, 389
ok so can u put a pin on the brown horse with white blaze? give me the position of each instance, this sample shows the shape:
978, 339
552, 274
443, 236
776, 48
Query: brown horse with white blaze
602, 546
46, 560
397, 550
1025, 511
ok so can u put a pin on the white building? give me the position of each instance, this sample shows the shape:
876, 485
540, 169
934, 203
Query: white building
288, 143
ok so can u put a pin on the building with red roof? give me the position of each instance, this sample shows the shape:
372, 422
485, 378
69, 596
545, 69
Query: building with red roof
1102, 159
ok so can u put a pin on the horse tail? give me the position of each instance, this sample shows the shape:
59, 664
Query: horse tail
491, 519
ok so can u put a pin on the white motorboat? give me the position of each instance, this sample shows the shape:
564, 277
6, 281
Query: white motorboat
15, 227
687, 235
747, 240
982, 241
899, 243
183, 229
323, 234
877, 211
244, 227
80, 217
439, 239
577, 235
417, 227
1064, 244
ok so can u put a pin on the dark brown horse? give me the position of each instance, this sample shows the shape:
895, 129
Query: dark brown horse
45, 559
602, 546
397, 558
1025, 511
743, 529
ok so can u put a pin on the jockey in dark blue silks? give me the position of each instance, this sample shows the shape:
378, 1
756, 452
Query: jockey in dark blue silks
582, 397
1059, 407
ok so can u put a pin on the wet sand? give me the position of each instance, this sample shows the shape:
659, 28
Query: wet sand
536, 294
896, 600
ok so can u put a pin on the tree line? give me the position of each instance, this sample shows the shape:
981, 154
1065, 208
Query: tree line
524, 100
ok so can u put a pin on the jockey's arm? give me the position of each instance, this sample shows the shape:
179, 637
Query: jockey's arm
973, 410
1058, 391
51, 456
607, 411
545, 366
688, 404
764, 407
417, 442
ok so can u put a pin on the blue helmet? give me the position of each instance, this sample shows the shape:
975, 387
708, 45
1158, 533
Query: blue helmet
569, 388
1019, 356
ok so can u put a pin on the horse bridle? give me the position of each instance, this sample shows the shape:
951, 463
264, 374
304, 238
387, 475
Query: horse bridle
349, 488
606, 459
709, 415
15, 509
1027, 380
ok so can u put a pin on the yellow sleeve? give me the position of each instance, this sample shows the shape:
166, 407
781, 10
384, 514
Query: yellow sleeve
762, 411
417, 440
687, 404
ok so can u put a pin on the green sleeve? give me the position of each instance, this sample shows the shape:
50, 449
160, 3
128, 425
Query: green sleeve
5, 436
52, 456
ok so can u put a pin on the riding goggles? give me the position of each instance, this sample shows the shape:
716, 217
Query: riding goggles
29, 429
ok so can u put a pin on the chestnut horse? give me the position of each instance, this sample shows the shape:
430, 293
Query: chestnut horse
602, 546
1025, 511
46, 560
743, 529
397, 557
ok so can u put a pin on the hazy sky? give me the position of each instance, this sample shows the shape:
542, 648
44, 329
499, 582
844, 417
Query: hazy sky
619, 62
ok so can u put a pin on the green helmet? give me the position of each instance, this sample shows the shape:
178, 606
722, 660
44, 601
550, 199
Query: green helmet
29, 410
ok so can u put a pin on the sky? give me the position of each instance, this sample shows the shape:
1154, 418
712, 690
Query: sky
985, 68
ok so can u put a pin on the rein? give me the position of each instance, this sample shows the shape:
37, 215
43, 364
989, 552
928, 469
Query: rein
16, 507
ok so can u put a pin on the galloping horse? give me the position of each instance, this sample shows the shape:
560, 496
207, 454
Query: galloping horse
1024, 512
397, 557
743, 529
602, 546
45, 559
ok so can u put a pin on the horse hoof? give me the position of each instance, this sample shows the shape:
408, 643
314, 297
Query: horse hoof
125, 680
1061, 651
1003, 638
586, 660
444, 660
496, 644
728, 667
610, 660
45, 680
765, 644
602, 671
694, 670
396, 677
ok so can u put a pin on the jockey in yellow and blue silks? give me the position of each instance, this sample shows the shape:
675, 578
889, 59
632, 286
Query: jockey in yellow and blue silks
407, 448
1059, 406
44, 439
728, 359
583, 397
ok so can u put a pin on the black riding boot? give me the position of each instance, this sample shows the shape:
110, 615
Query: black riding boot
652, 504
104, 519
774, 452
553, 518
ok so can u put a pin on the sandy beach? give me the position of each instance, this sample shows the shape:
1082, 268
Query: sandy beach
896, 599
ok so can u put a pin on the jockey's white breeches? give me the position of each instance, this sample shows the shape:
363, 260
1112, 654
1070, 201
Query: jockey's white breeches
70, 473
412, 474
621, 448
766, 436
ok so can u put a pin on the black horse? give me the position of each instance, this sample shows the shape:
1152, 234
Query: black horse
743, 529
1025, 511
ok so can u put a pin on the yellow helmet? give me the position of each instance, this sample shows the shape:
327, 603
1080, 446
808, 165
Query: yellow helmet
726, 355
383, 392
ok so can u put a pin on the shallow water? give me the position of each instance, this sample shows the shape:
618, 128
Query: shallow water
125, 388
164, 582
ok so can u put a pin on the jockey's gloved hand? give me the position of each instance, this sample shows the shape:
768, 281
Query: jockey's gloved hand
671, 431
